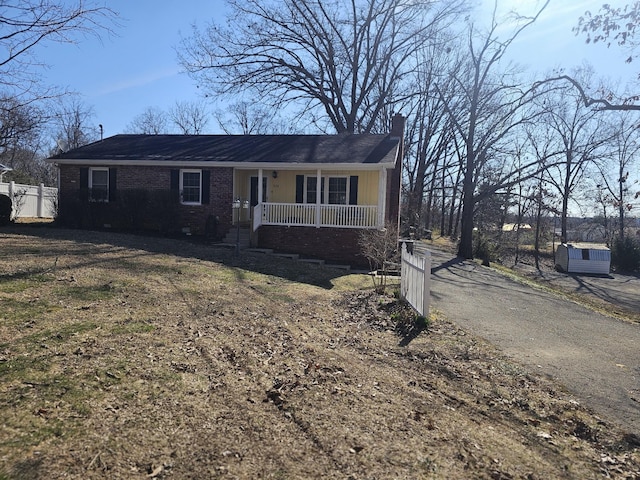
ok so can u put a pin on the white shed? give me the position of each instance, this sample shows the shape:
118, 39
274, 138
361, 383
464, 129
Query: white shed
583, 259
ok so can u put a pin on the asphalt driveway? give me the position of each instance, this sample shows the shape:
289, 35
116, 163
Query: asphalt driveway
594, 356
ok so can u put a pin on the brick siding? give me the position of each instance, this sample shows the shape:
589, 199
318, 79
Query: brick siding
132, 183
336, 245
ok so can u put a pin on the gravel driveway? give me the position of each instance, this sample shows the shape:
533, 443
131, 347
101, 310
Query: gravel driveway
594, 356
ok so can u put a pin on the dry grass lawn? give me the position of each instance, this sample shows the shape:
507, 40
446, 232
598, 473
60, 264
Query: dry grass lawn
128, 357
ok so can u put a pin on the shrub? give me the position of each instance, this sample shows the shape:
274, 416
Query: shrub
380, 248
5, 210
422, 322
625, 254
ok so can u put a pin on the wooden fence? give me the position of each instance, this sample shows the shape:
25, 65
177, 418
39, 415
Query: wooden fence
31, 201
416, 277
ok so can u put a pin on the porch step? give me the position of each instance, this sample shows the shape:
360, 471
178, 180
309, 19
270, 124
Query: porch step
296, 257
339, 267
290, 256
266, 251
244, 239
315, 261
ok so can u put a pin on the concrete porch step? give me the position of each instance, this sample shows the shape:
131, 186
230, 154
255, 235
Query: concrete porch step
315, 261
266, 251
243, 237
290, 256
346, 268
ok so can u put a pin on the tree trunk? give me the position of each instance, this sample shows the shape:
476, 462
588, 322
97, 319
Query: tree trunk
465, 248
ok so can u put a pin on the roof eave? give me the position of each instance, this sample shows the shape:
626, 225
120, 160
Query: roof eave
224, 164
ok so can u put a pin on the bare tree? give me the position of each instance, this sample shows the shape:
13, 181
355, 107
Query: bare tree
73, 124
153, 121
26, 24
493, 106
609, 101
341, 60
579, 134
541, 143
191, 118
17, 123
252, 119
615, 182
428, 137
22, 142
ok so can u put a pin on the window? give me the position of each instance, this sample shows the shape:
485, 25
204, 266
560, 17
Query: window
333, 190
191, 186
99, 184
338, 190
312, 190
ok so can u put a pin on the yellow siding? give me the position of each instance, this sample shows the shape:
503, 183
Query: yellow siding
368, 188
283, 188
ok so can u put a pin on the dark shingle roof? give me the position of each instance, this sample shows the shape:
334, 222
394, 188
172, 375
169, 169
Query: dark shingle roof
308, 149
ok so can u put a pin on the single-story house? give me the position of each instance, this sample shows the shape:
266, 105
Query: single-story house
305, 194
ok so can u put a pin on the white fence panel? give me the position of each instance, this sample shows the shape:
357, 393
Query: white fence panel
415, 286
30, 201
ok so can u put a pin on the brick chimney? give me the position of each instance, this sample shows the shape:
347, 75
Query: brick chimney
397, 126
394, 178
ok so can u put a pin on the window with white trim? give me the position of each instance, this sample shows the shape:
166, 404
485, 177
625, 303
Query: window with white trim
99, 184
334, 189
191, 186
338, 190
311, 191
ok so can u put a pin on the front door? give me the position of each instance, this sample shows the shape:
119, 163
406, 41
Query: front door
254, 190
254, 193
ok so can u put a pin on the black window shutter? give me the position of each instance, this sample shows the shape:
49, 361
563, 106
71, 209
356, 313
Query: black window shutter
353, 190
206, 187
299, 188
84, 183
113, 186
175, 185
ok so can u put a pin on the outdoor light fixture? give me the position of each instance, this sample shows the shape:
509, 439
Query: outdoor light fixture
274, 174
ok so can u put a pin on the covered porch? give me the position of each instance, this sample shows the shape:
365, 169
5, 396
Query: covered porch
350, 199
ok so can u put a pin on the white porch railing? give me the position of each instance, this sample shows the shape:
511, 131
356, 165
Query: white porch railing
310, 215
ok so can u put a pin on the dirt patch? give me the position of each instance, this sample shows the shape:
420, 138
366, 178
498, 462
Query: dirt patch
132, 357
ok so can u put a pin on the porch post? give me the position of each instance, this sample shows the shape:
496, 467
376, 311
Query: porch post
260, 193
382, 197
318, 197
233, 197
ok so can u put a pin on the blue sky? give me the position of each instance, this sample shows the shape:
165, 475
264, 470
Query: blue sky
120, 76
